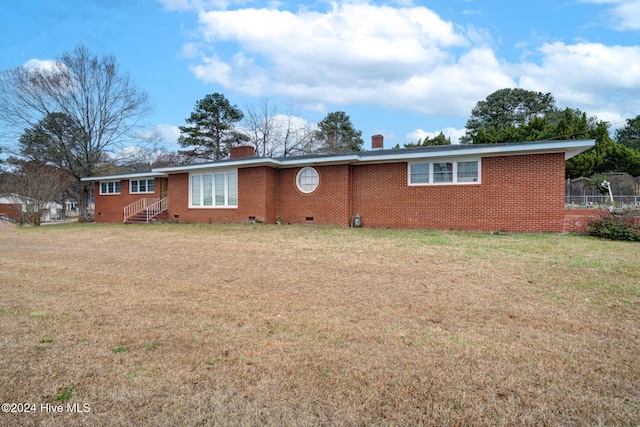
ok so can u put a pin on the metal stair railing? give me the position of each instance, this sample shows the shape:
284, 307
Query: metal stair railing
138, 206
156, 208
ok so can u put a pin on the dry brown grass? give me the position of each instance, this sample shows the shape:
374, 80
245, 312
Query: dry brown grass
286, 325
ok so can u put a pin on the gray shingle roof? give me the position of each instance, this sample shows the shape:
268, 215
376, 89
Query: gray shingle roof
569, 147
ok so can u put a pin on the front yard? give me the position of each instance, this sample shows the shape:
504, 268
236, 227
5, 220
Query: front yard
178, 324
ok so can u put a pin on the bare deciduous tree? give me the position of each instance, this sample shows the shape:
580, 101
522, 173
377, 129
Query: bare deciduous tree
102, 104
260, 124
34, 189
275, 134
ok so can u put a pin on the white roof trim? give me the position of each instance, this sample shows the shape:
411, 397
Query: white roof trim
569, 148
153, 174
247, 162
266, 161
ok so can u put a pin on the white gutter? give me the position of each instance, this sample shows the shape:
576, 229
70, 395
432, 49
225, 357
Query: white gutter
248, 162
570, 148
152, 174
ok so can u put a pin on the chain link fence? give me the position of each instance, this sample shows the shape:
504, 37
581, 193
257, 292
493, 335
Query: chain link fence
625, 189
593, 200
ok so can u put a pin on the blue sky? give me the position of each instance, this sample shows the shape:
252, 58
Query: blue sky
404, 69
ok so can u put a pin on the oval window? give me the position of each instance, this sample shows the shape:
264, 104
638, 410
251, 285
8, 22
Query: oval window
307, 180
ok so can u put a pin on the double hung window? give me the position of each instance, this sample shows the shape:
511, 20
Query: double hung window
142, 185
442, 172
110, 187
468, 171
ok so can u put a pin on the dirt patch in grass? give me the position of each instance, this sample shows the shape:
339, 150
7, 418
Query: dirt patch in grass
287, 325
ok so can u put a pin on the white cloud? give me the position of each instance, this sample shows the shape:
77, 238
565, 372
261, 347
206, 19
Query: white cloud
615, 119
190, 50
451, 133
182, 5
404, 57
213, 70
168, 133
47, 65
629, 14
354, 39
589, 76
165, 134
455, 88
626, 13
284, 121
176, 4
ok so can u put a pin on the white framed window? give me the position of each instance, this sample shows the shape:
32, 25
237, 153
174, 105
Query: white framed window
110, 187
419, 173
214, 189
444, 172
307, 180
468, 171
141, 185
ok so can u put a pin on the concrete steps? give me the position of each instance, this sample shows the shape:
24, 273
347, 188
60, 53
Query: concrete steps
141, 218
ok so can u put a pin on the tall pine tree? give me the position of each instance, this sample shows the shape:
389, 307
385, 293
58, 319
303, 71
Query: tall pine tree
211, 131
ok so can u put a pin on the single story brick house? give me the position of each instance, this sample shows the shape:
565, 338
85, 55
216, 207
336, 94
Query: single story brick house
496, 187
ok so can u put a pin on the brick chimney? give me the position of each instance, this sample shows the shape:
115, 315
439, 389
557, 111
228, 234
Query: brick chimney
377, 142
241, 151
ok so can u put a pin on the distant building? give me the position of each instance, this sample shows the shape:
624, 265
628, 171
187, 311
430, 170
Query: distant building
16, 206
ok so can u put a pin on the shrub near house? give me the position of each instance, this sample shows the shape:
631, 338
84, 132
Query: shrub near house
616, 226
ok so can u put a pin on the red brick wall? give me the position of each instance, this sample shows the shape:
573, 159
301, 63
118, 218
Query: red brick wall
11, 210
576, 220
256, 198
241, 151
327, 205
110, 207
517, 193
257, 192
178, 205
526, 193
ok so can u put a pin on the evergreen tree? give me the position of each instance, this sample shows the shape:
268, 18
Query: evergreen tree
439, 139
493, 120
336, 134
211, 131
629, 135
606, 156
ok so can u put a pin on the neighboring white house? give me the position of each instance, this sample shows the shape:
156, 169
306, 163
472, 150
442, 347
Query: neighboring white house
11, 203
71, 205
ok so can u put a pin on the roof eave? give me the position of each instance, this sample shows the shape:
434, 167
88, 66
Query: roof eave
322, 161
153, 174
569, 148
252, 162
